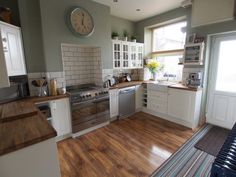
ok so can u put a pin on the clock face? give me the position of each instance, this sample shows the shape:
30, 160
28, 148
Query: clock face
81, 22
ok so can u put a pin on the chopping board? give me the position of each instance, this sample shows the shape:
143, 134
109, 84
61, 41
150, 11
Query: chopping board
17, 110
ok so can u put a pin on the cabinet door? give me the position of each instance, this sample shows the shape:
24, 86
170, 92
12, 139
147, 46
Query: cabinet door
117, 53
125, 55
113, 94
180, 104
13, 50
4, 79
133, 54
139, 59
61, 116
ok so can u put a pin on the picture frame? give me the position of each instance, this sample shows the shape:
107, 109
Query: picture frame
191, 38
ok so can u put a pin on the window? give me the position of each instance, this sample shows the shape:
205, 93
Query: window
170, 37
226, 72
168, 47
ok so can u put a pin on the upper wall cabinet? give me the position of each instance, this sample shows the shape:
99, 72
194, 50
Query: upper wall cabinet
212, 11
13, 49
127, 55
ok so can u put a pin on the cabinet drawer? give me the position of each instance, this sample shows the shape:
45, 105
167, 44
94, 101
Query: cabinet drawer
157, 95
89, 124
157, 106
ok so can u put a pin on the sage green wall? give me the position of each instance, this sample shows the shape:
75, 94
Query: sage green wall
55, 31
32, 35
119, 25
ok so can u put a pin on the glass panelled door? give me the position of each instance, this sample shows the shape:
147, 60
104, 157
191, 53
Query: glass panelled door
139, 61
222, 82
125, 56
133, 55
116, 54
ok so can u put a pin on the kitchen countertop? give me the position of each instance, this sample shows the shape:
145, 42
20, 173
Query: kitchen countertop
183, 87
24, 127
134, 83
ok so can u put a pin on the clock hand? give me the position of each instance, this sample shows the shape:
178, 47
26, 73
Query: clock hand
83, 19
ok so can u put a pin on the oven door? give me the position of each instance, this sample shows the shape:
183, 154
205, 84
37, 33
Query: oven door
83, 112
103, 108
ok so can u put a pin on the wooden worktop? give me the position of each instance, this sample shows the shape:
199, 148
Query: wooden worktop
24, 132
22, 124
126, 84
183, 87
134, 83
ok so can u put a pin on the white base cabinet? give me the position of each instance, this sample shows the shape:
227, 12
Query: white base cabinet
114, 102
175, 105
37, 160
61, 116
185, 106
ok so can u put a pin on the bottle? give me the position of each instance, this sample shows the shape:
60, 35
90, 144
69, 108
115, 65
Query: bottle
53, 87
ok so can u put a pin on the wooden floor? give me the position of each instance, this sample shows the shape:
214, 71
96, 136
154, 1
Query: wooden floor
134, 146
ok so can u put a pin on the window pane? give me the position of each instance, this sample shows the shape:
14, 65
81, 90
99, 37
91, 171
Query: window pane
171, 67
226, 73
169, 37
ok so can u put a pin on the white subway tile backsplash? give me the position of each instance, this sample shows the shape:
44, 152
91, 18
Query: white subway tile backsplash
81, 64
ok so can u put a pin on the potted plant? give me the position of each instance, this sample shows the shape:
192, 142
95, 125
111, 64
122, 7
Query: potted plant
114, 35
154, 67
133, 38
125, 35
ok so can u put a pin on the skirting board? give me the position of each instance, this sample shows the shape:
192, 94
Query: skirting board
163, 116
89, 130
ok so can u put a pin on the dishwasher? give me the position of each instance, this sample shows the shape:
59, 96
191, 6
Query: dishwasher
126, 102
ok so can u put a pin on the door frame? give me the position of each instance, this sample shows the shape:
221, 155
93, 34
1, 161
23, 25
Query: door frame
214, 39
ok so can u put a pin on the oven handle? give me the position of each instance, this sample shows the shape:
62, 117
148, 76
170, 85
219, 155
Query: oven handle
84, 102
102, 99
91, 101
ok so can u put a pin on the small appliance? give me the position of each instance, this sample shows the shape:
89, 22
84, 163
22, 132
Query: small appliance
194, 80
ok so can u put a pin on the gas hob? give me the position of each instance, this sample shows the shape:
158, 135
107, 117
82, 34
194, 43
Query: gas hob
86, 92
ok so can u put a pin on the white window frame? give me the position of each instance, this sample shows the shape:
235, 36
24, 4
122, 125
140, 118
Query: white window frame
168, 52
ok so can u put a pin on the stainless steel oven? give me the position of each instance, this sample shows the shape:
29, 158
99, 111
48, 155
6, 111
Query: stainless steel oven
86, 114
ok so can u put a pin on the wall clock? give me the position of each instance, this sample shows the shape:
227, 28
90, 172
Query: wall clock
80, 22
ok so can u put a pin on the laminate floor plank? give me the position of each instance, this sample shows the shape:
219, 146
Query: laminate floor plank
131, 147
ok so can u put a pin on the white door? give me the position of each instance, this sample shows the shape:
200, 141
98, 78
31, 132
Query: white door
125, 55
4, 79
221, 108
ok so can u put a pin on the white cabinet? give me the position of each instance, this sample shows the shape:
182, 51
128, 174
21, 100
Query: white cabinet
138, 97
184, 106
13, 49
211, 11
61, 116
127, 54
176, 105
4, 79
114, 102
157, 101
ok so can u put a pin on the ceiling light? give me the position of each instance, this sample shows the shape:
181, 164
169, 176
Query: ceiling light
115, 0
138, 10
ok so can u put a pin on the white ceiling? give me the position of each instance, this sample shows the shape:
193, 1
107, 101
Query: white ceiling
127, 8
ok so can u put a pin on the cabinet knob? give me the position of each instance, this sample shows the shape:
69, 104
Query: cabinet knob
4, 39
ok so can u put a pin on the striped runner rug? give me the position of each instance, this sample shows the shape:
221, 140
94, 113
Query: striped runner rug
188, 161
